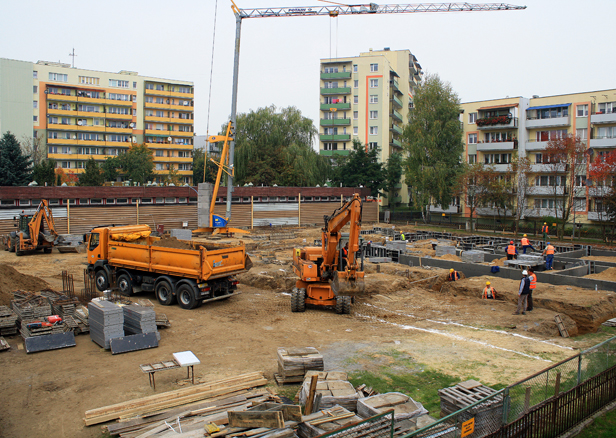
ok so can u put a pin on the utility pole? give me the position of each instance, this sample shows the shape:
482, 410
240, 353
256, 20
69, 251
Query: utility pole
73, 55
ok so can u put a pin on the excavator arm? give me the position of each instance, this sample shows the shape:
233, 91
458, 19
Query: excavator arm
36, 227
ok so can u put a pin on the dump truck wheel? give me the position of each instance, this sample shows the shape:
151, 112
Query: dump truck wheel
164, 293
298, 300
125, 284
186, 297
19, 253
343, 305
102, 280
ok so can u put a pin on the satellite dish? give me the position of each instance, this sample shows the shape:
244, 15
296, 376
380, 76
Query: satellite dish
132, 125
169, 139
79, 122
74, 137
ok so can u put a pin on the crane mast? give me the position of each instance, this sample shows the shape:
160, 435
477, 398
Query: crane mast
332, 11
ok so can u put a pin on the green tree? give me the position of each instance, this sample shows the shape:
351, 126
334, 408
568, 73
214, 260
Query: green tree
44, 173
93, 174
15, 166
110, 168
471, 186
433, 142
276, 148
393, 175
201, 159
360, 168
137, 164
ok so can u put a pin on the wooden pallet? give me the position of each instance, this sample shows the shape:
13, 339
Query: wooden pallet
561, 327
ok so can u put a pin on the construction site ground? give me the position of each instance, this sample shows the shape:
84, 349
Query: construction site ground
439, 325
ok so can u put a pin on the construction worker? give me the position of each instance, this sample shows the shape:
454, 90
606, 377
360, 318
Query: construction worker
523, 294
533, 285
544, 231
526, 244
402, 236
549, 256
345, 255
453, 275
489, 293
512, 251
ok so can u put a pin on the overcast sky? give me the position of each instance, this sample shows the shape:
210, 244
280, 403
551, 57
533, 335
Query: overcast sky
552, 47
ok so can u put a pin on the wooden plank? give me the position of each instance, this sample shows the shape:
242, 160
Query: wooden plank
470, 384
331, 419
311, 392
255, 419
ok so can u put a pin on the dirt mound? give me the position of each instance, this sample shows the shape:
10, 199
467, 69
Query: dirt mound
609, 275
11, 280
451, 257
600, 258
172, 242
498, 262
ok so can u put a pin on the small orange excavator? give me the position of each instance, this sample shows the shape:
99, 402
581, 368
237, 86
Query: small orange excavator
35, 231
325, 277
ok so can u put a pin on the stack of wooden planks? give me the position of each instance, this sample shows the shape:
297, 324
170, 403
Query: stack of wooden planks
326, 420
332, 389
462, 395
158, 403
293, 363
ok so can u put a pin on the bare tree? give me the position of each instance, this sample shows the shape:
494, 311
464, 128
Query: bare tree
33, 146
520, 169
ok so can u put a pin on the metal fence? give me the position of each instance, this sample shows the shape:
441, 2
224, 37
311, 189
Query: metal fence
379, 426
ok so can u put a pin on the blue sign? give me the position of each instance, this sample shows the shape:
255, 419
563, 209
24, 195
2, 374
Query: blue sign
219, 222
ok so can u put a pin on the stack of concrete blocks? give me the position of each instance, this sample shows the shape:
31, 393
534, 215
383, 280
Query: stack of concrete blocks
442, 250
398, 245
181, 234
204, 198
473, 256
139, 319
106, 322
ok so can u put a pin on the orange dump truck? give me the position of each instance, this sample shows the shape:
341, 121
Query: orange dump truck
192, 273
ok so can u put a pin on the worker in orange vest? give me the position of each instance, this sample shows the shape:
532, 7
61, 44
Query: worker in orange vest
453, 275
489, 293
549, 256
345, 256
526, 244
544, 231
533, 284
512, 251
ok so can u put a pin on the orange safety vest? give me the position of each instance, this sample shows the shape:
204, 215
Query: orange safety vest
533, 280
511, 249
525, 241
544, 229
453, 276
550, 249
491, 292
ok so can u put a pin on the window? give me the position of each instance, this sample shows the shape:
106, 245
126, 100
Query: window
58, 77
472, 158
374, 83
582, 110
35, 89
374, 130
35, 74
373, 145
355, 83
134, 84
472, 138
606, 132
354, 68
606, 108
497, 158
374, 114
582, 133
182, 166
374, 98
330, 146
35, 104
580, 180
35, 118
355, 130
538, 158
550, 135
472, 118
374, 67
116, 96
160, 153
53, 149
552, 113
118, 83
88, 80
355, 115
355, 99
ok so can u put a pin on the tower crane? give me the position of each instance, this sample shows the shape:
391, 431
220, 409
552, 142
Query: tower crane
333, 10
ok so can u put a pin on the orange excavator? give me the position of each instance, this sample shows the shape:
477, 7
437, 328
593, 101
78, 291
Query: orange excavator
328, 276
34, 231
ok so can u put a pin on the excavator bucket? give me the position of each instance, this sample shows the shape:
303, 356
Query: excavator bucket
344, 285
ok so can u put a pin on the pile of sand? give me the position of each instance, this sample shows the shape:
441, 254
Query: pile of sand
172, 242
498, 262
453, 258
12, 280
600, 258
608, 274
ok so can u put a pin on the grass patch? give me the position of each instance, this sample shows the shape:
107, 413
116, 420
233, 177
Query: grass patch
590, 339
602, 427
287, 391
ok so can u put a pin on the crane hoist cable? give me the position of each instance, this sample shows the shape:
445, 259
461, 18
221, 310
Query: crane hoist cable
209, 99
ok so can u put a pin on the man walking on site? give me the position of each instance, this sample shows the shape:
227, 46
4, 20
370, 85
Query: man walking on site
549, 256
523, 294
544, 231
532, 277
526, 244
512, 251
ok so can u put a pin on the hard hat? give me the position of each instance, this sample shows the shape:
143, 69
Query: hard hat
451, 270
525, 235
487, 283
511, 242
524, 272
548, 243
545, 223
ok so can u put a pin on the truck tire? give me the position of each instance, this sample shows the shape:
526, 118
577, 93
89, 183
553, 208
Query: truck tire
18, 253
186, 297
343, 305
298, 300
102, 280
164, 293
125, 285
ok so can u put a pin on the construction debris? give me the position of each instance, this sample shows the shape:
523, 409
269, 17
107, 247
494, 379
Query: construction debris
404, 407
293, 363
8, 321
332, 389
4, 345
29, 306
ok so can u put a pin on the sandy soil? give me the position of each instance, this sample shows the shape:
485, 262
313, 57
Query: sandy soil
600, 258
609, 274
410, 309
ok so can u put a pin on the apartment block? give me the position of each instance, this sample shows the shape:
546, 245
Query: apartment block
78, 114
368, 98
496, 131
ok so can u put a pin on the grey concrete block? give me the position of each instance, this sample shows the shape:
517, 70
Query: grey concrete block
473, 256
181, 234
443, 249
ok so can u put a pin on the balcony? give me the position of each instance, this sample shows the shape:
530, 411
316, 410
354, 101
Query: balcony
598, 119
605, 142
335, 122
449, 209
541, 212
166, 93
497, 146
172, 159
172, 146
91, 114
547, 168
338, 106
397, 102
547, 191
181, 134
395, 86
599, 191
335, 137
60, 112
119, 130
396, 129
112, 102
536, 145
396, 143
396, 115
61, 97
498, 122
328, 91
597, 216
339, 75
554, 122
500, 167
336, 152
489, 211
